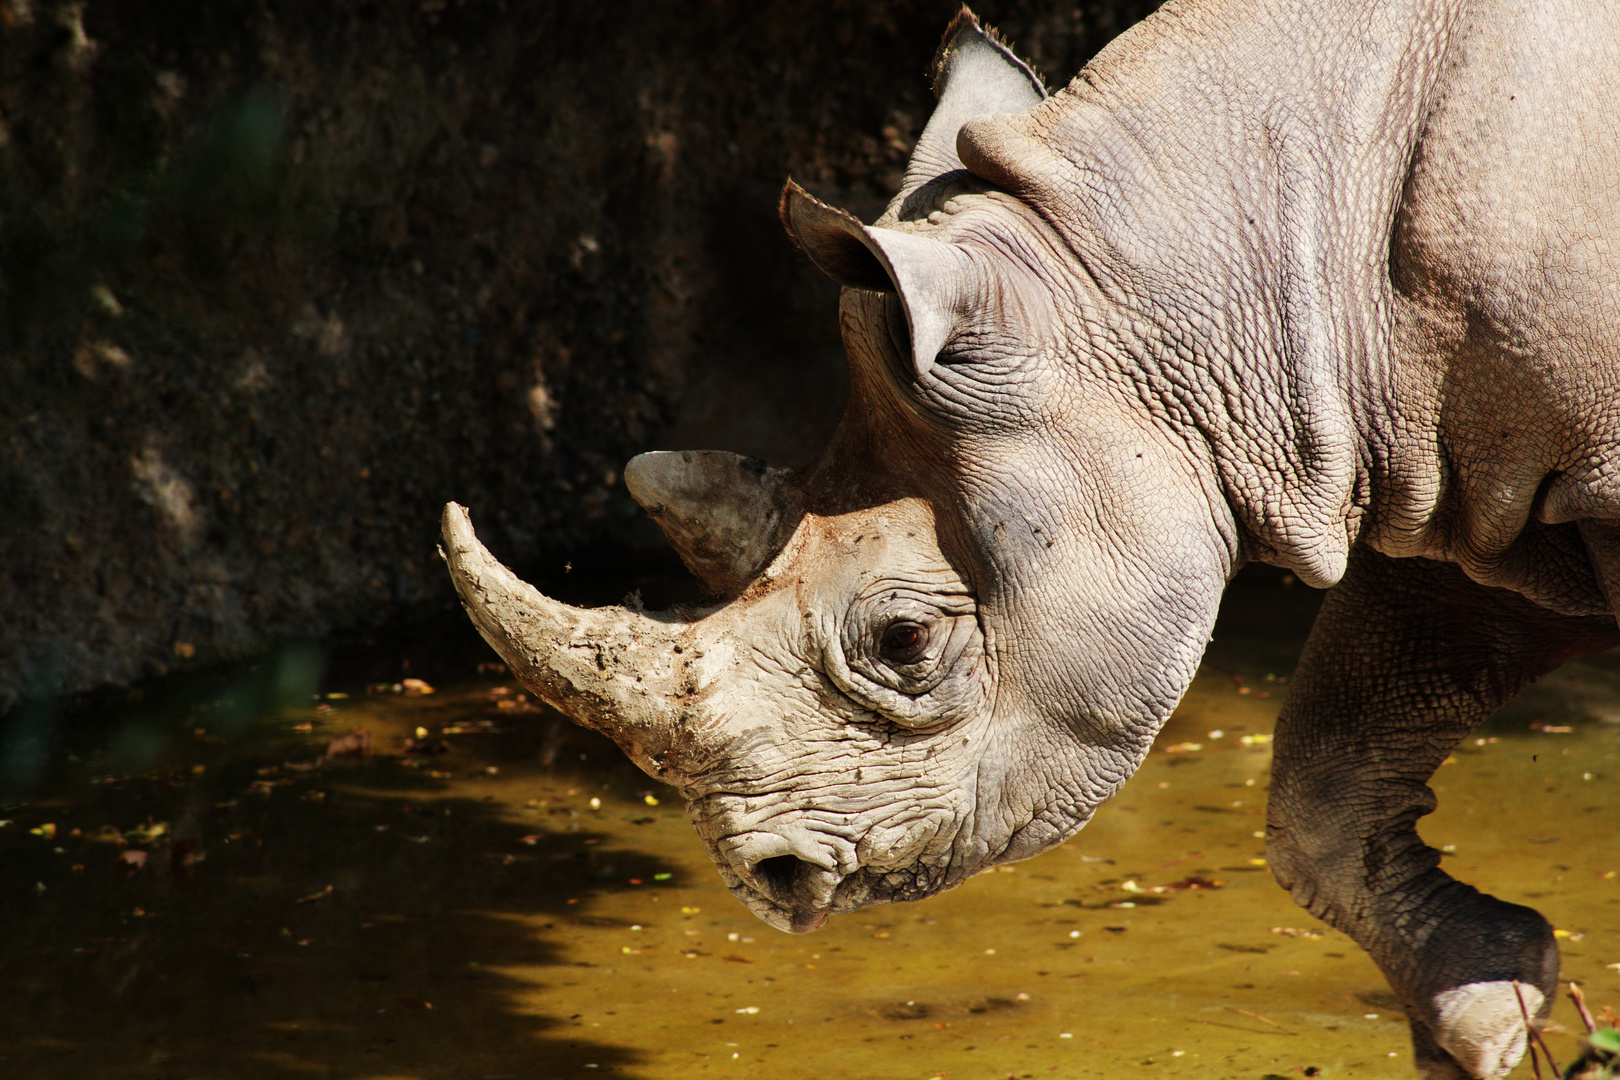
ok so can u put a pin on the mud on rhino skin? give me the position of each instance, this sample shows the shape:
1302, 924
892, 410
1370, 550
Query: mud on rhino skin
1326, 286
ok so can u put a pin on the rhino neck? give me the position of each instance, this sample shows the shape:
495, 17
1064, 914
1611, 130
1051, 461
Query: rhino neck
1230, 188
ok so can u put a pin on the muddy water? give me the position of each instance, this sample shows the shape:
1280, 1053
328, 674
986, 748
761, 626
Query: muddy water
202, 893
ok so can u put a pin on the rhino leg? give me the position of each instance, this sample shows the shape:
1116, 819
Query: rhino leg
1406, 658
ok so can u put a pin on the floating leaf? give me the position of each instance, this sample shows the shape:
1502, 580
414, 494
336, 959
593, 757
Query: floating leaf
356, 743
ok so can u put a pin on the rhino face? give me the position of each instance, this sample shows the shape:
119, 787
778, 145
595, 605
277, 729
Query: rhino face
945, 643
839, 720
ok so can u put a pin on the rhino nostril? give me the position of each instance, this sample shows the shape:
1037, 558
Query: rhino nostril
780, 872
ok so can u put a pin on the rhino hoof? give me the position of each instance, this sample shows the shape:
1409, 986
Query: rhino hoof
1481, 1025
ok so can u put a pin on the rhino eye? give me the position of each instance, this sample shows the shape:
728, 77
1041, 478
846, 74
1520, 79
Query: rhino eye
904, 642
911, 653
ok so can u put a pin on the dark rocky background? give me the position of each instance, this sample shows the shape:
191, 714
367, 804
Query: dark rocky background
278, 279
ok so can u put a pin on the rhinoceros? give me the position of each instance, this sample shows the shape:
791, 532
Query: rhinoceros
1333, 286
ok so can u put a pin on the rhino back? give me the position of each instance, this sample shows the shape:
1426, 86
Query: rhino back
1228, 172
1378, 246
1506, 263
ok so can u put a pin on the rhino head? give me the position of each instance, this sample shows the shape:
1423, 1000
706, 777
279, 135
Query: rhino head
943, 644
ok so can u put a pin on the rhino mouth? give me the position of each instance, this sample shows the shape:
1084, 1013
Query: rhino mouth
794, 867
798, 897
792, 895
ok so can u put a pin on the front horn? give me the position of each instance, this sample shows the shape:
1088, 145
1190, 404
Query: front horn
609, 669
725, 515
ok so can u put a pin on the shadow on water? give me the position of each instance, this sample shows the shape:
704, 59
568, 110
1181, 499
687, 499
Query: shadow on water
195, 887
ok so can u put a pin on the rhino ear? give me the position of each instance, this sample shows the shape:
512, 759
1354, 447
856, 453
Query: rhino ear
930, 276
726, 515
834, 239
974, 73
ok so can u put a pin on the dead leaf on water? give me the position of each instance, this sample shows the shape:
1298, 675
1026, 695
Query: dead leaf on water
354, 744
1194, 881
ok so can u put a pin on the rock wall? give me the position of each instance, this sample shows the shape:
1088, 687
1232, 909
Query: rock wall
278, 279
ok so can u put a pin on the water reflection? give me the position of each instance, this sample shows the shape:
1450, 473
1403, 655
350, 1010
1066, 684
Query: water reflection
196, 888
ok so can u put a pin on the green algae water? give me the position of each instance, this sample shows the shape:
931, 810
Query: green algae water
475, 889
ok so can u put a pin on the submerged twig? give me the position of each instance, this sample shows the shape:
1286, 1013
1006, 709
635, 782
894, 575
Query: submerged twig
1529, 1040
1263, 1020
1579, 999
1533, 1037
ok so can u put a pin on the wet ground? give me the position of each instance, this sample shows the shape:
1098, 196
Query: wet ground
220, 878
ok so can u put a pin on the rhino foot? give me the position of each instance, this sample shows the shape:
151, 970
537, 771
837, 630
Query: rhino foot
1432, 1062
1480, 1027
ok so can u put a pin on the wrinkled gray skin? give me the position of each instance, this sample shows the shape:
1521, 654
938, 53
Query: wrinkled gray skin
1330, 285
